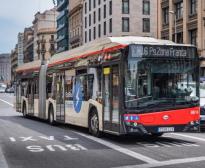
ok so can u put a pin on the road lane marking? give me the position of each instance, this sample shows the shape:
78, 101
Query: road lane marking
167, 163
7, 102
3, 162
120, 149
189, 136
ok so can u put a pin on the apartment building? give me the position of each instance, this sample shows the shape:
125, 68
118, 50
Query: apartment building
75, 23
44, 27
14, 63
183, 21
5, 68
119, 18
20, 48
62, 26
28, 45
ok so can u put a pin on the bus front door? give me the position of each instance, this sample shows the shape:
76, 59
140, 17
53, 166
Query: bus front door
60, 98
111, 98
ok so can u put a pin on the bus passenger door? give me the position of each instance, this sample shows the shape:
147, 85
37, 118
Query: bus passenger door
30, 98
60, 97
111, 98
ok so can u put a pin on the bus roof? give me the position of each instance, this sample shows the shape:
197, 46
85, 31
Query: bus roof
106, 44
29, 67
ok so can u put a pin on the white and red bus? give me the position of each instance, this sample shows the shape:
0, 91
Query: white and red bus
118, 85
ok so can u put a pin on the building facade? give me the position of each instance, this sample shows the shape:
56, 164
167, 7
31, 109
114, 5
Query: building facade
75, 23
183, 21
119, 18
62, 26
14, 63
28, 45
20, 48
44, 28
5, 68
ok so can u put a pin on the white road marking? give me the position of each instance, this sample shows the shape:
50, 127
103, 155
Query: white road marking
7, 102
121, 149
189, 136
3, 162
167, 163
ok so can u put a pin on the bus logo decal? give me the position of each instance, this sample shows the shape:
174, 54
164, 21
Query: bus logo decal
77, 101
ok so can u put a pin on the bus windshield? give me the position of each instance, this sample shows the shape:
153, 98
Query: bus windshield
157, 82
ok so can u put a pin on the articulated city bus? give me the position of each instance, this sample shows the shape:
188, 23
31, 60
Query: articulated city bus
118, 85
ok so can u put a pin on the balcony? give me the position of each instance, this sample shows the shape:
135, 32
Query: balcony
75, 39
61, 5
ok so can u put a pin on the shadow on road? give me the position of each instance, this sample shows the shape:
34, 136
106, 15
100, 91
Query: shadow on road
43, 127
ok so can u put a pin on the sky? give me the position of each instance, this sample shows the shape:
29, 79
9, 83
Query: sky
15, 15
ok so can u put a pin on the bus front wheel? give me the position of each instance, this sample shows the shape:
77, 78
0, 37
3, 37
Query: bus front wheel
51, 116
94, 123
156, 134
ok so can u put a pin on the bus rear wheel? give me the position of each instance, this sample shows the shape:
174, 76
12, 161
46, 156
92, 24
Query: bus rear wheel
94, 123
51, 116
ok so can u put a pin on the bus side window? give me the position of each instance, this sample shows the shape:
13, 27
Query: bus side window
69, 88
90, 78
49, 86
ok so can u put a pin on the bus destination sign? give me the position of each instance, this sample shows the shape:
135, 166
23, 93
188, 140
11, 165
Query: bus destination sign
162, 51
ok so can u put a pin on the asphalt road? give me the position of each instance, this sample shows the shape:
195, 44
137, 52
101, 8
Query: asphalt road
30, 143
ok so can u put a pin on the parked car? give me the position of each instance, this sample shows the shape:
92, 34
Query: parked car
9, 90
2, 89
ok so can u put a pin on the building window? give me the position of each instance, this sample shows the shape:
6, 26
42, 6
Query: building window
85, 37
94, 17
146, 25
193, 36
94, 3
85, 7
110, 8
94, 33
89, 19
180, 37
99, 14
125, 24
85, 22
89, 5
99, 2
146, 7
105, 28
165, 15
179, 10
110, 26
99, 30
125, 6
104, 11
89, 34
193, 7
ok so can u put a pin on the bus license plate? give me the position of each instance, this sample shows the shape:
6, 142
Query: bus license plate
166, 129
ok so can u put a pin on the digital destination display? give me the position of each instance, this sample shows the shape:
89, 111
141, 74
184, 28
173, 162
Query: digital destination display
162, 51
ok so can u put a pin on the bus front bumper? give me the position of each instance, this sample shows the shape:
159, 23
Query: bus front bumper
140, 129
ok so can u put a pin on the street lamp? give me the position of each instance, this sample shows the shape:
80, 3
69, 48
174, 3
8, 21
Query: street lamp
175, 25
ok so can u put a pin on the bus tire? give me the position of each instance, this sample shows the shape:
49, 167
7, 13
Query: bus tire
51, 115
93, 122
156, 134
24, 110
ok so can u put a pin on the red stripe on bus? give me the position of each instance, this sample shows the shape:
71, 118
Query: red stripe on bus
171, 117
87, 55
29, 70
